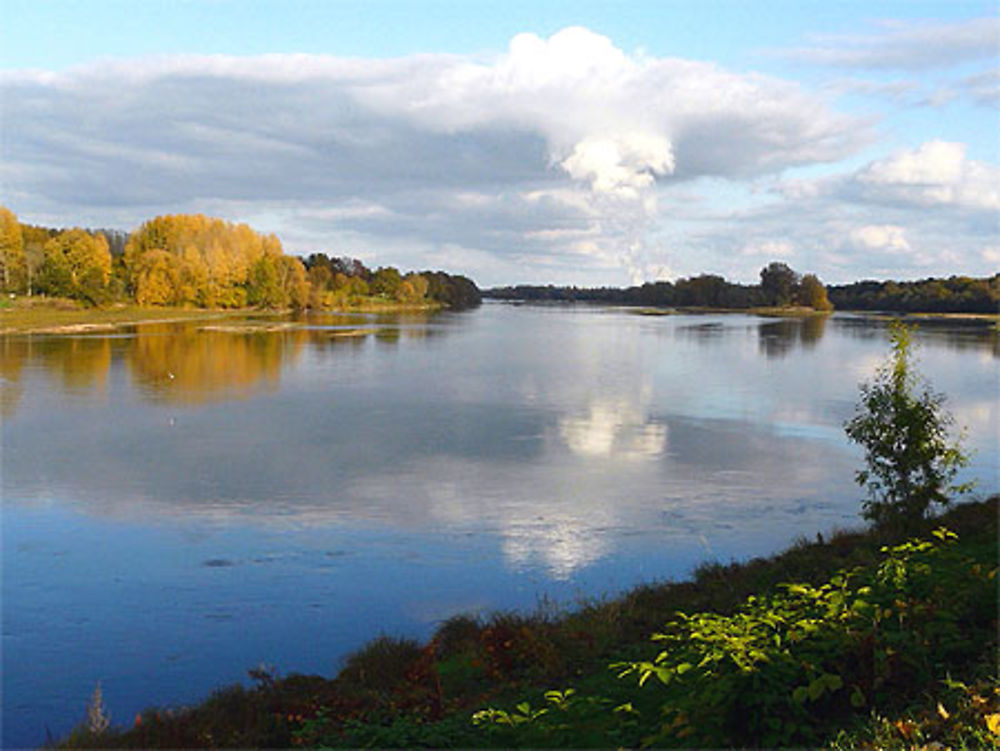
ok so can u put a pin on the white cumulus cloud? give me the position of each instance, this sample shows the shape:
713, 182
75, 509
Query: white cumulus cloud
932, 163
886, 238
621, 165
386, 153
935, 173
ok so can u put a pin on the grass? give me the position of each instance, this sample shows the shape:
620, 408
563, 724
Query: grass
957, 316
45, 315
382, 305
55, 315
791, 311
542, 679
926, 316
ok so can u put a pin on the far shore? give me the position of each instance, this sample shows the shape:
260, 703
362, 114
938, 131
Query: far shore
794, 311
764, 312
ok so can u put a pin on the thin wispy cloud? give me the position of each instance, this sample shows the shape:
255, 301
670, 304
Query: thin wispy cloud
910, 46
983, 87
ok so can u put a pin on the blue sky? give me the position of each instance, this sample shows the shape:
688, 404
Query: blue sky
67, 32
565, 142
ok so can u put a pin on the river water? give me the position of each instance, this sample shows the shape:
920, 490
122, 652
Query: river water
183, 502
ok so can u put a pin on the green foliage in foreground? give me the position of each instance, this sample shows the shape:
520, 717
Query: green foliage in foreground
872, 646
793, 667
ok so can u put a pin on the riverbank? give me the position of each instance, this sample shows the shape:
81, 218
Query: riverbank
57, 316
795, 311
764, 312
801, 312
38, 315
899, 651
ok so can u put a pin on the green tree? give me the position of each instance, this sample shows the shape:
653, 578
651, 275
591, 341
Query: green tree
355, 288
54, 277
35, 240
413, 289
910, 460
386, 282
264, 288
778, 283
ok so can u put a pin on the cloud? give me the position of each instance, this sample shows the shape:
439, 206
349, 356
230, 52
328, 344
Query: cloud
615, 429
896, 91
936, 173
768, 249
984, 87
562, 142
884, 238
623, 165
903, 45
912, 213
934, 163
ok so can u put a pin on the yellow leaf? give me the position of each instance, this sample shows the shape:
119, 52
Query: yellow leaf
993, 723
905, 727
942, 711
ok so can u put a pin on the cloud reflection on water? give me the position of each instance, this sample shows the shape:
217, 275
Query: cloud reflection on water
356, 484
614, 428
627, 432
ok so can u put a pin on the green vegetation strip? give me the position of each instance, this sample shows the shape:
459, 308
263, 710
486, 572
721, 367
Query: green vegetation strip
851, 642
62, 316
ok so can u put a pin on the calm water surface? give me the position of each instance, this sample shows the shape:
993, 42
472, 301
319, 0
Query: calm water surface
184, 502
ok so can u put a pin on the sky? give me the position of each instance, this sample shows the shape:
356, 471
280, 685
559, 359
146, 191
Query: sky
587, 143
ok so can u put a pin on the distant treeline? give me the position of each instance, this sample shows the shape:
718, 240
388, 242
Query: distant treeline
199, 261
779, 286
956, 294
330, 277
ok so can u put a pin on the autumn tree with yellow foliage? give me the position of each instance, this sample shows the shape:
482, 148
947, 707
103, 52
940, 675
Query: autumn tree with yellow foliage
191, 259
12, 259
812, 293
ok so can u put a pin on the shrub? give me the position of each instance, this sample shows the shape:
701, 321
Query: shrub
791, 667
460, 633
381, 664
903, 428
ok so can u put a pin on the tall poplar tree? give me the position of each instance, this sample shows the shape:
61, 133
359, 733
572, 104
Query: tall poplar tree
12, 260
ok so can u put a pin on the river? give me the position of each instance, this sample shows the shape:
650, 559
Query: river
183, 502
